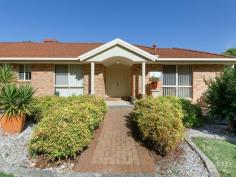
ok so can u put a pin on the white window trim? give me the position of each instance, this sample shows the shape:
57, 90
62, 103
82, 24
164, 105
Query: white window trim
24, 73
176, 82
68, 73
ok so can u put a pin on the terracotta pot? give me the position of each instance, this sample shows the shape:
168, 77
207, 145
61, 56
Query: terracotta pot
12, 125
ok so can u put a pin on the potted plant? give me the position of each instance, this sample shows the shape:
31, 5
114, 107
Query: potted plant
15, 104
155, 82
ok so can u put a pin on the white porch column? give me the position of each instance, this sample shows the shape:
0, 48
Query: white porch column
92, 84
143, 78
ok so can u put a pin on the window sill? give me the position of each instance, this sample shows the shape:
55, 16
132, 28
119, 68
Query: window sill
66, 86
23, 81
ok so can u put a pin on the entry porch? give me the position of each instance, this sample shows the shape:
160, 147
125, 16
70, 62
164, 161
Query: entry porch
117, 69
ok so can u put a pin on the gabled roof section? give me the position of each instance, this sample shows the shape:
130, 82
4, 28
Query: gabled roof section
120, 43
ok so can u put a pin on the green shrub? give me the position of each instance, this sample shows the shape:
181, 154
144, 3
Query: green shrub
98, 101
48, 103
221, 95
45, 105
192, 114
159, 121
66, 126
60, 134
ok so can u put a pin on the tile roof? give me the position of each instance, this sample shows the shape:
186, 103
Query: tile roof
35, 49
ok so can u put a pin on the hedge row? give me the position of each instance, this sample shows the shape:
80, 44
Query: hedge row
66, 125
161, 121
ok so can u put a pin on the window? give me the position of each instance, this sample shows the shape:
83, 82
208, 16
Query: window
24, 72
177, 80
68, 80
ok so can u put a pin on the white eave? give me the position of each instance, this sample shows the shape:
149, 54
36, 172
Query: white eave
37, 59
199, 59
117, 42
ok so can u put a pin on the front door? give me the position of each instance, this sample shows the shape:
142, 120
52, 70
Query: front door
118, 81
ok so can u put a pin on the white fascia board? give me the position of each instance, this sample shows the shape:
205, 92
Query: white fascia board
36, 59
198, 59
114, 43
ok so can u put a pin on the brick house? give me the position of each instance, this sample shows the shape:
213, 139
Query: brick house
113, 69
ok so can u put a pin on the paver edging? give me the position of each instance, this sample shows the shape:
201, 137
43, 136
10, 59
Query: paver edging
211, 168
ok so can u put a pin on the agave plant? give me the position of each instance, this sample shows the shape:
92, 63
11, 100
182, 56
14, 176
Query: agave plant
15, 101
7, 74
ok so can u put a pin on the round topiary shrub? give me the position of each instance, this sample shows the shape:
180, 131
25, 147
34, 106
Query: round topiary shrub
159, 121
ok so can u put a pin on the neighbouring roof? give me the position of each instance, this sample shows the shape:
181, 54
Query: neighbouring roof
36, 49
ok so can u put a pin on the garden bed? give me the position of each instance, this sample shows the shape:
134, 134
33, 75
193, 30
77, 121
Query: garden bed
57, 136
183, 161
161, 123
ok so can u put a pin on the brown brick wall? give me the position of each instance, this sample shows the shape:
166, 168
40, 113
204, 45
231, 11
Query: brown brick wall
201, 73
100, 71
43, 79
86, 72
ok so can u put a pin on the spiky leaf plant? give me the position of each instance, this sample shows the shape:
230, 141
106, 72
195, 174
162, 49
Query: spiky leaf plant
15, 101
7, 74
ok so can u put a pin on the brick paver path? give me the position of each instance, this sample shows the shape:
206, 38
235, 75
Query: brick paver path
114, 148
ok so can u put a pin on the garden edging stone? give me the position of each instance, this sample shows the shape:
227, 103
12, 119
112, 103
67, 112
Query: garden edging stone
208, 163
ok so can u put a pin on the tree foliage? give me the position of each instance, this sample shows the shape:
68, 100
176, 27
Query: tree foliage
230, 52
221, 95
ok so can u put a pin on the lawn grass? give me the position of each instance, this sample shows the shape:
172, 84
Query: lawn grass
5, 175
221, 153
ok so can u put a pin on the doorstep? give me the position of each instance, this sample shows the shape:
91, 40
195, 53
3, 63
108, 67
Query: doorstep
118, 104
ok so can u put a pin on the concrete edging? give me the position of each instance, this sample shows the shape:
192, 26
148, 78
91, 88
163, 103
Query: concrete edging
211, 168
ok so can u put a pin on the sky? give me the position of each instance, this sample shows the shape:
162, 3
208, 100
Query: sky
207, 25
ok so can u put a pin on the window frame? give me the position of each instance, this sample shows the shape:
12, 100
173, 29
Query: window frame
177, 86
24, 72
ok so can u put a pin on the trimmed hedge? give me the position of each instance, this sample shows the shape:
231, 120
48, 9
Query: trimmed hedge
192, 114
66, 125
159, 121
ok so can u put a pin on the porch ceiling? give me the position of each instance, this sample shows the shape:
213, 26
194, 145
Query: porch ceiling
118, 60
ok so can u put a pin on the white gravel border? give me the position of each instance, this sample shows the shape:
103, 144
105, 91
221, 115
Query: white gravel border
218, 132
211, 168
